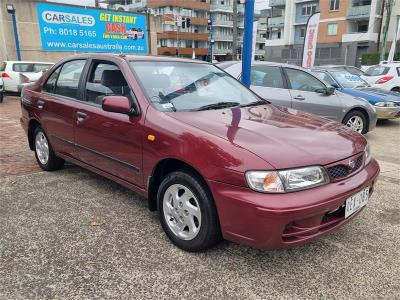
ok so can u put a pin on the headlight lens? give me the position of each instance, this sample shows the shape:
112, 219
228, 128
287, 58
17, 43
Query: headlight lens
367, 154
385, 104
286, 180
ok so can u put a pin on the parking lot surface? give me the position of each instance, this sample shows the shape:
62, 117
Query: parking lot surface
73, 234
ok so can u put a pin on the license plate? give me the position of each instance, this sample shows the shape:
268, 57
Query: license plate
357, 201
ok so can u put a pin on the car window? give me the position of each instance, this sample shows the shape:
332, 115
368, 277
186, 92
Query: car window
105, 79
68, 80
267, 76
377, 70
40, 67
184, 86
300, 80
51, 81
2, 66
325, 77
22, 67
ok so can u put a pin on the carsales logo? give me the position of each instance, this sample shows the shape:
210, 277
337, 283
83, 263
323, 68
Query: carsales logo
56, 17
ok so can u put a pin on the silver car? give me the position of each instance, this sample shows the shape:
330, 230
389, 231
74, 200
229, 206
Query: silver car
294, 87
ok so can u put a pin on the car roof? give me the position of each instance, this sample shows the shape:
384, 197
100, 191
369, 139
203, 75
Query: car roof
259, 62
129, 57
28, 62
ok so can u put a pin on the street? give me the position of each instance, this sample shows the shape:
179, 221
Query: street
73, 234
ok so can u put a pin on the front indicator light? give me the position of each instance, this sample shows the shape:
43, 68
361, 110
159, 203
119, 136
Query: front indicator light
287, 180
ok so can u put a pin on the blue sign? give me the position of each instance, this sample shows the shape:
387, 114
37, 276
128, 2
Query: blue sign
69, 28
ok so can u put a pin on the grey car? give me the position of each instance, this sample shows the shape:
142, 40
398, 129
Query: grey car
294, 87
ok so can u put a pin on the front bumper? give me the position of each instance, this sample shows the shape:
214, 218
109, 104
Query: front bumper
274, 221
388, 112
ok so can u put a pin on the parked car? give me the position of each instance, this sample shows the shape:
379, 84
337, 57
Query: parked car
135, 33
212, 157
1, 90
385, 76
351, 69
386, 103
294, 87
10, 72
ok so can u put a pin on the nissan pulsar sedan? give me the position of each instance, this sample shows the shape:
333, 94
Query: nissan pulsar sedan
212, 158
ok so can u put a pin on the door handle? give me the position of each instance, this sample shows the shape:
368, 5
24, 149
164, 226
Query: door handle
40, 104
81, 116
300, 97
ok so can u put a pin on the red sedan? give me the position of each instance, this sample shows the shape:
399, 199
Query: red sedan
214, 159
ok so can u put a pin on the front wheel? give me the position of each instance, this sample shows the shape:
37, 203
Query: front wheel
356, 121
187, 212
44, 153
1, 97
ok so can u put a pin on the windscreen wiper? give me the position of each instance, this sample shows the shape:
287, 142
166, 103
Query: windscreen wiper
255, 103
218, 105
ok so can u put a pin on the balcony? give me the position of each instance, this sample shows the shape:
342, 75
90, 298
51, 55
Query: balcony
182, 35
191, 4
359, 12
359, 36
171, 51
276, 21
222, 37
277, 3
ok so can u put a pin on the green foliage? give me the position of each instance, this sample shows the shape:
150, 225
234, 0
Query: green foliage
373, 58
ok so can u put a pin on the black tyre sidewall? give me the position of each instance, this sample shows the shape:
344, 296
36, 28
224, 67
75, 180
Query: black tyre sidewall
359, 114
53, 163
209, 233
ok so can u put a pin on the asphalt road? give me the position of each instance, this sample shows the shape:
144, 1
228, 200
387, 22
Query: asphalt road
73, 234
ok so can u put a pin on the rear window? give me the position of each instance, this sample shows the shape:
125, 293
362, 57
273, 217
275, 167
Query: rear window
2, 66
41, 67
377, 71
22, 67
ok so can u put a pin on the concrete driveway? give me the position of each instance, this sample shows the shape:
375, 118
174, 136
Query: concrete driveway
73, 234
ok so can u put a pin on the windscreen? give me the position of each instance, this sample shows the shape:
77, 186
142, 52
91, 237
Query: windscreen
348, 80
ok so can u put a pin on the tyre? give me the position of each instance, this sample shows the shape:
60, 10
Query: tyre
1, 97
396, 89
187, 212
44, 153
357, 121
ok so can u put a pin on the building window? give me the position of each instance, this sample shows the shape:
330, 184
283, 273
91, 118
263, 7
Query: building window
332, 29
308, 9
303, 32
334, 5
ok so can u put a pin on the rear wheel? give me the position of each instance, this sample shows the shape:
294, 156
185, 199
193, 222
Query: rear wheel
1, 97
44, 153
396, 89
187, 212
356, 121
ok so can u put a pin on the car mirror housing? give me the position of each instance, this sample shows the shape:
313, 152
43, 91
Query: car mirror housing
335, 85
330, 90
117, 104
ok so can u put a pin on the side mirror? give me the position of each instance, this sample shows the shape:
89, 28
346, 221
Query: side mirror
117, 104
330, 90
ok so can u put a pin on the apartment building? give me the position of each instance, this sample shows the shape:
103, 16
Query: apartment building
348, 28
168, 39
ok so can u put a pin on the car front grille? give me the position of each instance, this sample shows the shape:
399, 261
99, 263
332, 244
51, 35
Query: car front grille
343, 170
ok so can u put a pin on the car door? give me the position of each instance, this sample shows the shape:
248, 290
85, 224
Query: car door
56, 105
111, 142
309, 94
268, 82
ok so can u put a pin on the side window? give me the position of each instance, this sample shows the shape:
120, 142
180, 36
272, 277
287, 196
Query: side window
267, 76
105, 79
51, 81
68, 80
300, 80
22, 67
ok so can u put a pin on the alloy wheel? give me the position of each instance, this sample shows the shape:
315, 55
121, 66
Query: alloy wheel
356, 123
42, 148
182, 212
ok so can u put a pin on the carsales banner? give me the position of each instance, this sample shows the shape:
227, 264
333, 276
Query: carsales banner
71, 28
310, 41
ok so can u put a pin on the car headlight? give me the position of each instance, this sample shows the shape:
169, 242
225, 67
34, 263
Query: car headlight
385, 104
367, 154
287, 180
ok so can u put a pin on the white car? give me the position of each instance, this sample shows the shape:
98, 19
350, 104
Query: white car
1, 89
135, 33
385, 76
10, 72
